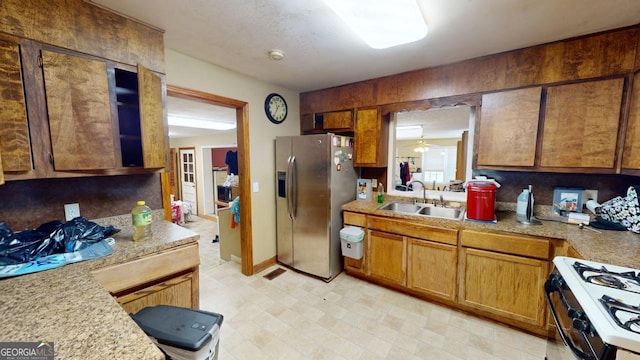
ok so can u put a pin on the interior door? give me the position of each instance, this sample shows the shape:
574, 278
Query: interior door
188, 178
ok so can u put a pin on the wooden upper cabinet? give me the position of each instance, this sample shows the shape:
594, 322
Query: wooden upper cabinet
152, 123
307, 123
509, 128
581, 124
631, 153
371, 137
338, 120
78, 105
14, 129
1, 171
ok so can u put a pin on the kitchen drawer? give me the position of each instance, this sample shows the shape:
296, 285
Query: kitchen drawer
355, 219
413, 229
120, 277
522, 245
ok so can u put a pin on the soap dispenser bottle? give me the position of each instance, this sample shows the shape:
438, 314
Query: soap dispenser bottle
380, 193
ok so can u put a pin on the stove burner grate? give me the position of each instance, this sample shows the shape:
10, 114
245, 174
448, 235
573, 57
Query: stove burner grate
627, 280
625, 315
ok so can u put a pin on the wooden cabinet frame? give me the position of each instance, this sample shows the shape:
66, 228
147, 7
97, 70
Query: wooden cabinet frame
156, 279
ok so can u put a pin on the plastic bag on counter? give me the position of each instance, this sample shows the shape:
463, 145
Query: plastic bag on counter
49, 238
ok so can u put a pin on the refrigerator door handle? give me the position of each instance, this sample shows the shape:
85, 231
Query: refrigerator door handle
292, 189
288, 186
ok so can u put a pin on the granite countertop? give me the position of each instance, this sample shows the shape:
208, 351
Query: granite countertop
612, 247
68, 306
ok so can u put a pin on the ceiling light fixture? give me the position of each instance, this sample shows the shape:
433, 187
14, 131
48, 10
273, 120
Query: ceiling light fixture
199, 124
276, 55
422, 147
382, 23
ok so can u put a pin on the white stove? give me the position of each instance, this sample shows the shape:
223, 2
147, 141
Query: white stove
609, 296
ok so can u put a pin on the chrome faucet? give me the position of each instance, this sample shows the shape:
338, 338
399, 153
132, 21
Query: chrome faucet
424, 189
442, 200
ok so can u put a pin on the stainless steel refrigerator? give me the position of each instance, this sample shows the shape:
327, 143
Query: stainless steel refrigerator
314, 177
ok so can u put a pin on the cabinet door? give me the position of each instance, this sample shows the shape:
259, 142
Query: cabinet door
307, 123
387, 259
338, 120
509, 128
14, 130
78, 105
432, 268
631, 154
505, 285
581, 124
175, 292
152, 121
370, 139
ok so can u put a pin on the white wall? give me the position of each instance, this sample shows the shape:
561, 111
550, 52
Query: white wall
191, 73
203, 172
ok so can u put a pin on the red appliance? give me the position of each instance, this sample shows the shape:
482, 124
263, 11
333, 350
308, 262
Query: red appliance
481, 200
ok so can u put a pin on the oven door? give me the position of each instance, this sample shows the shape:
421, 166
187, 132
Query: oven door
575, 337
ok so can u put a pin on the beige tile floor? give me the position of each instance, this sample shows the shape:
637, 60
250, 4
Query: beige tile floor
298, 317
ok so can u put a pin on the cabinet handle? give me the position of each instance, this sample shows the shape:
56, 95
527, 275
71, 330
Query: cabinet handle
51, 158
40, 61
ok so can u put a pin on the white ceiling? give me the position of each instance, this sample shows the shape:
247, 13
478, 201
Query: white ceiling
200, 111
320, 51
440, 123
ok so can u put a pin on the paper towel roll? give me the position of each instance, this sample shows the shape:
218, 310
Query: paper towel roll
593, 206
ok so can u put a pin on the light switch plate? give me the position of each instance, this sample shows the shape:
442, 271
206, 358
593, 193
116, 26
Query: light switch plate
71, 211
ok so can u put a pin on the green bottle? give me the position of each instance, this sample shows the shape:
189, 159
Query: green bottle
380, 193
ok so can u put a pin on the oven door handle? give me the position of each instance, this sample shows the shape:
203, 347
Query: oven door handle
548, 289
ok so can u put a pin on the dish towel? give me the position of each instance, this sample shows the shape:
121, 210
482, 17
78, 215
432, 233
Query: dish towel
235, 211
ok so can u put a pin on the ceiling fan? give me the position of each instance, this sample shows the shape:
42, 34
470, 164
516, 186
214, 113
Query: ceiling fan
422, 146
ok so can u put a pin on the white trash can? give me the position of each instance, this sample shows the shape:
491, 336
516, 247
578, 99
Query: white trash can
351, 240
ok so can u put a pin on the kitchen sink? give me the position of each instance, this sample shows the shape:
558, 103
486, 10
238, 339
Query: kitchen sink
402, 207
423, 210
443, 212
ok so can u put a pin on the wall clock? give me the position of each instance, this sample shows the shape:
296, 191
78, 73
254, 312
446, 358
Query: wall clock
276, 108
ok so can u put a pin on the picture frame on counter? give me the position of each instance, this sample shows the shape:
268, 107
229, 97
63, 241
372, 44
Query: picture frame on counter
567, 200
363, 189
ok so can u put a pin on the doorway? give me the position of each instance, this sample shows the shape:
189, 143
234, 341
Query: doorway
188, 178
242, 134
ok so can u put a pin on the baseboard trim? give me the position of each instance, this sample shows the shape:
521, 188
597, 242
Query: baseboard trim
209, 217
264, 265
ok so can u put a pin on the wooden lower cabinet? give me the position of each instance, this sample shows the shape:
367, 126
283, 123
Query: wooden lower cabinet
431, 268
387, 257
498, 275
505, 285
170, 277
175, 291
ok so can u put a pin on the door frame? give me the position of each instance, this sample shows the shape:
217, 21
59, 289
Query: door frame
195, 175
244, 185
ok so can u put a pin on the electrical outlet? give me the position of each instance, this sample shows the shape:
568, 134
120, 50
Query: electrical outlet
590, 195
71, 211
